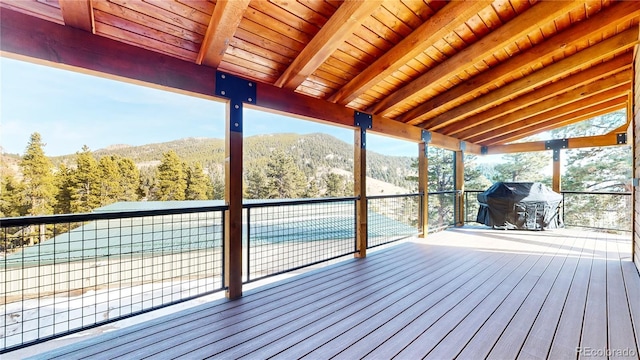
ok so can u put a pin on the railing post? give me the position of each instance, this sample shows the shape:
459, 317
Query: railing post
423, 184
238, 91
362, 122
459, 180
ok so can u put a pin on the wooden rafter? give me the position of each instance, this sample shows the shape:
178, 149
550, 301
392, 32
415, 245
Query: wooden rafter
529, 21
610, 18
547, 92
434, 29
547, 106
591, 55
31, 39
571, 114
610, 139
339, 27
78, 14
223, 24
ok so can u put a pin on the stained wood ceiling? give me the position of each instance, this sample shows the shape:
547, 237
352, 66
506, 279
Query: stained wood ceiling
486, 72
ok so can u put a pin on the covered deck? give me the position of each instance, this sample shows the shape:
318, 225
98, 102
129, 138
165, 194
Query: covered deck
467, 76
468, 292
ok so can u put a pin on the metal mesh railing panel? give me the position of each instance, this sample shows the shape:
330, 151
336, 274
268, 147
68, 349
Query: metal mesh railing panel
441, 210
392, 218
604, 211
291, 236
64, 277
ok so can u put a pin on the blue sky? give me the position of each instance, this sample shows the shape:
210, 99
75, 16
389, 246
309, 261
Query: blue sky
71, 109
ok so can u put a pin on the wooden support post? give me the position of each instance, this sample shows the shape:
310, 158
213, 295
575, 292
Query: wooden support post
233, 216
362, 122
238, 91
459, 177
423, 187
556, 171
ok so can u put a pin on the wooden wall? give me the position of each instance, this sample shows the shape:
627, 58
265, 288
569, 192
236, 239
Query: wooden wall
636, 160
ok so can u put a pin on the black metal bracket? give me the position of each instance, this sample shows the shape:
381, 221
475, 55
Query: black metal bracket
621, 138
426, 138
363, 121
239, 91
556, 144
484, 150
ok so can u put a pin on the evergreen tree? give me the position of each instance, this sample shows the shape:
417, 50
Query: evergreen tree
110, 189
312, 191
473, 176
11, 201
216, 177
257, 185
129, 179
285, 179
523, 167
37, 176
64, 184
335, 185
171, 179
86, 184
198, 183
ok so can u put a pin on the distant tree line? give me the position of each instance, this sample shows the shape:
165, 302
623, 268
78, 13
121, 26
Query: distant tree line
89, 182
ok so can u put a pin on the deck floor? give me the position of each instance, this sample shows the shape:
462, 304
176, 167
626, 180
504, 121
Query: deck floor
466, 293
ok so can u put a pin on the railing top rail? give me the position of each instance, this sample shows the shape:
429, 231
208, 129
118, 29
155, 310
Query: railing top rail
263, 203
597, 192
444, 192
110, 215
394, 196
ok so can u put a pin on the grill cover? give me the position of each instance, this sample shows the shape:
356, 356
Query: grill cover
520, 205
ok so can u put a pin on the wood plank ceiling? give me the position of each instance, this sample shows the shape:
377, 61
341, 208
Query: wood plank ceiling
486, 72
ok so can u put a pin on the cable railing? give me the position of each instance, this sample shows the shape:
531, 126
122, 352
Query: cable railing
392, 218
288, 235
66, 273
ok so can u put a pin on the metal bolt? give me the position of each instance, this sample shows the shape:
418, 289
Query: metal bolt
250, 99
250, 84
236, 124
237, 107
223, 92
223, 76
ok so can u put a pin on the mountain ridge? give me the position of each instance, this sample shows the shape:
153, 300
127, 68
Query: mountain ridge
315, 153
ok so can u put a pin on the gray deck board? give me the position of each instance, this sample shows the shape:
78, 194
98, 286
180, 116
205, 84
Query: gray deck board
467, 293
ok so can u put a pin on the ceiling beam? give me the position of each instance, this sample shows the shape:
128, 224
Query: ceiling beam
609, 18
223, 24
588, 111
28, 38
435, 28
591, 55
610, 139
340, 26
496, 40
546, 106
78, 14
585, 77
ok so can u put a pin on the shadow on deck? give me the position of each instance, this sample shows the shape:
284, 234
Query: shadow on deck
468, 292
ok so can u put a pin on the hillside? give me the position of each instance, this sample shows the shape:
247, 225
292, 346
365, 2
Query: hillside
316, 154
